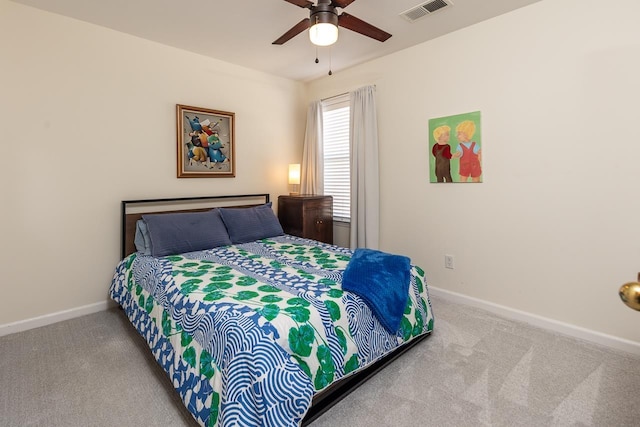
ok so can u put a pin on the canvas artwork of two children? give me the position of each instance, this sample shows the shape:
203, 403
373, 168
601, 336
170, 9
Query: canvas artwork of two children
464, 163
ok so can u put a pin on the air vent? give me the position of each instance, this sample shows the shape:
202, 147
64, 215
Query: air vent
425, 9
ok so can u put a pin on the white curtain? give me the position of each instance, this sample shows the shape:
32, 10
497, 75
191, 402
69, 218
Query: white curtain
311, 173
365, 198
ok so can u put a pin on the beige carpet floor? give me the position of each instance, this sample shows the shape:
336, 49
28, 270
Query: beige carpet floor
476, 369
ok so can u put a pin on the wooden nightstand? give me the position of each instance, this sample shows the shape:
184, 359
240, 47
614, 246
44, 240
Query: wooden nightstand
307, 216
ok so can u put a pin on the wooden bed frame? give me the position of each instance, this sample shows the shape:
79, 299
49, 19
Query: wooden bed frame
322, 401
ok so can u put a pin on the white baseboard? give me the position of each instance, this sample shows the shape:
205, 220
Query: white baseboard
510, 313
539, 321
48, 319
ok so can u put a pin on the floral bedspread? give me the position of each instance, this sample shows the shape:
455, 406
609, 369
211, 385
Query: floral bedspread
248, 333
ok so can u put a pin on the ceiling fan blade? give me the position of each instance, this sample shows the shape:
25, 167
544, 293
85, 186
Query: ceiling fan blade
352, 23
302, 3
341, 3
294, 31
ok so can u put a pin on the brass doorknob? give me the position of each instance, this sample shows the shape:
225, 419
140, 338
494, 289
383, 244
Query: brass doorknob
630, 294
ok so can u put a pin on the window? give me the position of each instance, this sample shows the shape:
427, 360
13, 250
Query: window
335, 135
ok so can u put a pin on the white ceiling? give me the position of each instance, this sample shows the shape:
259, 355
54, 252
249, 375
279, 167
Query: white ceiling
241, 31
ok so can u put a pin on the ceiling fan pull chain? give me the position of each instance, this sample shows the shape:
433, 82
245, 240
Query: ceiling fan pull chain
317, 60
330, 72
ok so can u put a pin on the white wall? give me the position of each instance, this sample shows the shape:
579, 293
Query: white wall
87, 117
553, 231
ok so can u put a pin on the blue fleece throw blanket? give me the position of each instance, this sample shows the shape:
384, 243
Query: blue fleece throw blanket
382, 280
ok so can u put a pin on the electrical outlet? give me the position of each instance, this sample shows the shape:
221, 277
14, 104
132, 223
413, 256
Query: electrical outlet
448, 261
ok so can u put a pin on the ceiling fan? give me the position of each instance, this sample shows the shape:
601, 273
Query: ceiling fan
324, 17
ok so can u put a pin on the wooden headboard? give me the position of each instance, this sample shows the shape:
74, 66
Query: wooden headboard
132, 211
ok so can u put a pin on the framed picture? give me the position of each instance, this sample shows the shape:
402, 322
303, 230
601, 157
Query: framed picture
206, 145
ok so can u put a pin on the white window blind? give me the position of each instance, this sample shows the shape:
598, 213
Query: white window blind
335, 135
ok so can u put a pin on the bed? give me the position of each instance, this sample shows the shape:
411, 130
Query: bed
258, 330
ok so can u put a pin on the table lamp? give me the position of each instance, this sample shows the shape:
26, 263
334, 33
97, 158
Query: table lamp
294, 178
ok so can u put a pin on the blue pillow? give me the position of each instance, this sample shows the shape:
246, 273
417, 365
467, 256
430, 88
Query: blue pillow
247, 225
142, 240
176, 233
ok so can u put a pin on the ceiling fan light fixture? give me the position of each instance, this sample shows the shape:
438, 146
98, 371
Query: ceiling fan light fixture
323, 34
324, 28
323, 22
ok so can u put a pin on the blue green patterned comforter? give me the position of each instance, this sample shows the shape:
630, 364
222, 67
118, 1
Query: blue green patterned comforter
248, 333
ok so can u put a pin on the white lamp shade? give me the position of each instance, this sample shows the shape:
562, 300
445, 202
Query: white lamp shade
323, 34
294, 174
